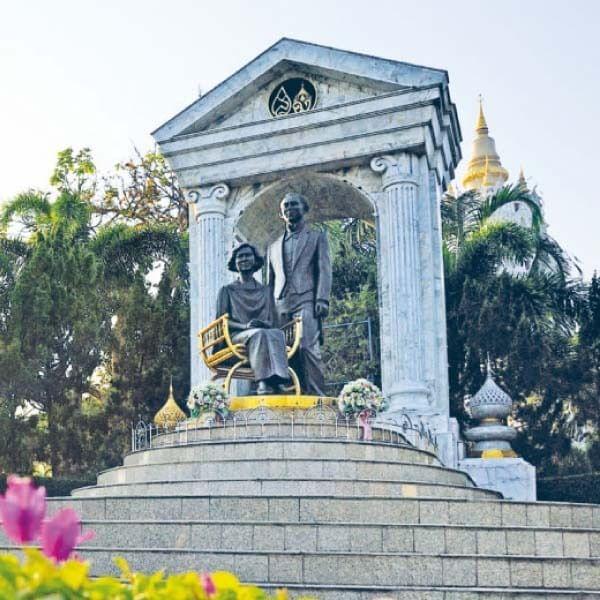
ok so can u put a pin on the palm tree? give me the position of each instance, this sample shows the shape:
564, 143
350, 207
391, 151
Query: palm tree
57, 283
502, 280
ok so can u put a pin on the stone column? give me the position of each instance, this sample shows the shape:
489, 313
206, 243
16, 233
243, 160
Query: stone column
207, 264
400, 276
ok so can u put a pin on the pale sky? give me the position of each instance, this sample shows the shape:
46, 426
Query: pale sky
105, 74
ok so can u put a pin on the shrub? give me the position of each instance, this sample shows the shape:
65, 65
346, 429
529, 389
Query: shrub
54, 487
572, 488
39, 577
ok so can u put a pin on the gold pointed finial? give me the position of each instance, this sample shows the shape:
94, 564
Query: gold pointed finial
450, 191
481, 126
170, 414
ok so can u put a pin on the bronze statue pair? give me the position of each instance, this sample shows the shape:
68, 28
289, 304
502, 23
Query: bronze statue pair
299, 284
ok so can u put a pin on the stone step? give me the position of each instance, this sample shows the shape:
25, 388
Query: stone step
261, 468
347, 537
289, 487
367, 569
348, 592
281, 449
387, 511
281, 428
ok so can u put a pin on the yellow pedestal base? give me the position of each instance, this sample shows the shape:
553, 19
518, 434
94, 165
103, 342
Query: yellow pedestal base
499, 454
279, 401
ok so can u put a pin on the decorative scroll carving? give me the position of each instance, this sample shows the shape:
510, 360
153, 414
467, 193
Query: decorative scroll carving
395, 169
209, 199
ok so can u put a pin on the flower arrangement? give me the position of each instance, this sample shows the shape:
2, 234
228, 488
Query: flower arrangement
361, 397
54, 572
208, 397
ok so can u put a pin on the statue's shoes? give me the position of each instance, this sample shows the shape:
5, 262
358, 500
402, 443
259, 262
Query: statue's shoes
263, 389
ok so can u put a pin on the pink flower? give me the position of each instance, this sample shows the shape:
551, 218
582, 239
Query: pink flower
22, 509
62, 533
208, 585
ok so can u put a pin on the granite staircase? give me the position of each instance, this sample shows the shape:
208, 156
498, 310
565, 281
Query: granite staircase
333, 517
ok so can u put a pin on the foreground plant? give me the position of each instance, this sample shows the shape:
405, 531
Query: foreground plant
38, 577
55, 573
22, 509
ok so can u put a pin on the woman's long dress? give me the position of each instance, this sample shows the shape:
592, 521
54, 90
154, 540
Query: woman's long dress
265, 347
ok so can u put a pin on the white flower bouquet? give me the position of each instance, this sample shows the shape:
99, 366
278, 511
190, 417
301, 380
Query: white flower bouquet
206, 398
361, 397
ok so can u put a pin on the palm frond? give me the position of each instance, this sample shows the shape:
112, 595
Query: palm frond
457, 217
70, 214
125, 250
549, 256
507, 195
495, 244
29, 206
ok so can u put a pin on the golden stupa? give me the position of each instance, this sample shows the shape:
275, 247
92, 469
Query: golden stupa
484, 170
170, 414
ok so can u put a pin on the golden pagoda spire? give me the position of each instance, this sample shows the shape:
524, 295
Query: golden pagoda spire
481, 126
484, 169
170, 414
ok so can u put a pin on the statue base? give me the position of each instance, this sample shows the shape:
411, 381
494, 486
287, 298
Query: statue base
280, 402
513, 477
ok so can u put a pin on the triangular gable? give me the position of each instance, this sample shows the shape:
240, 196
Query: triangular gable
359, 69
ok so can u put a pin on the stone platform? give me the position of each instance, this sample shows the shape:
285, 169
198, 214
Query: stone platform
327, 514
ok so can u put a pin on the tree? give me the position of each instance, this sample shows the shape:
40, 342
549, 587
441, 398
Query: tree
144, 191
353, 300
141, 191
57, 302
510, 296
587, 400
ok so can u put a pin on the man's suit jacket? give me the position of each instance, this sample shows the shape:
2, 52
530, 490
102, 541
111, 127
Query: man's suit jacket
311, 268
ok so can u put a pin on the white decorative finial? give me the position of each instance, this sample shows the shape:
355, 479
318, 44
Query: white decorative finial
488, 365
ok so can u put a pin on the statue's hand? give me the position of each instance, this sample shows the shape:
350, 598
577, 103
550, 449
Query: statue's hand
321, 309
257, 324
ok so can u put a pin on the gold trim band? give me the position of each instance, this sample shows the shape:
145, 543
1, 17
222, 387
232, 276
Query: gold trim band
279, 401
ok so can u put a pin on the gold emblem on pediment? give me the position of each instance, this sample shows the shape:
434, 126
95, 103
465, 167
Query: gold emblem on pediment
301, 90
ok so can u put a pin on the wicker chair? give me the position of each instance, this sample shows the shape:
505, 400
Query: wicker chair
231, 361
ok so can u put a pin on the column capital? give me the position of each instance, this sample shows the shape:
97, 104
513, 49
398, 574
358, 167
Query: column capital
209, 199
396, 169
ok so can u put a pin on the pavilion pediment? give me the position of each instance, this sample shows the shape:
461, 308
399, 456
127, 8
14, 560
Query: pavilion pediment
338, 77
288, 90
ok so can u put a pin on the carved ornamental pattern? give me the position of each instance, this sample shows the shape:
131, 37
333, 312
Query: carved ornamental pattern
294, 95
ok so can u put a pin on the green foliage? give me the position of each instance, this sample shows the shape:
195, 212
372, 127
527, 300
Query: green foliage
64, 283
587, 400
353, 299
584, 487
73, 173
504, 301
54, 486
143, 191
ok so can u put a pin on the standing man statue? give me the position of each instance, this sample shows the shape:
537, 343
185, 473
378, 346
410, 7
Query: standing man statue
300, 277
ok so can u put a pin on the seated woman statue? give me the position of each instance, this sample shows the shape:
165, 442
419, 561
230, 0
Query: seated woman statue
252, 320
